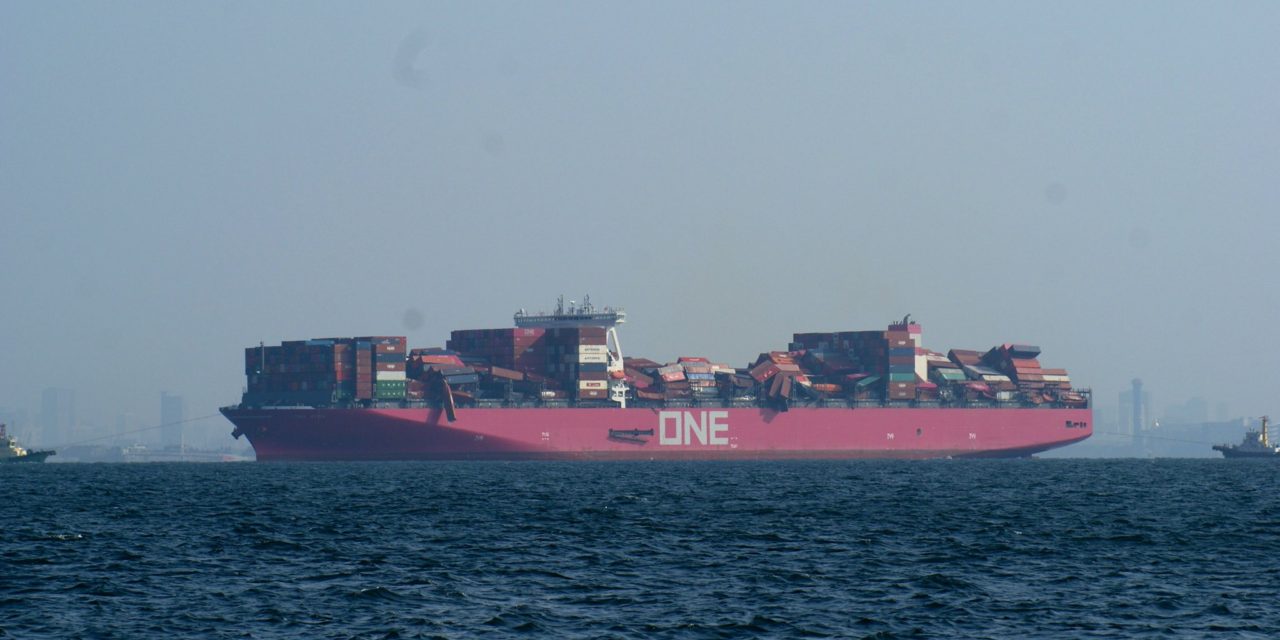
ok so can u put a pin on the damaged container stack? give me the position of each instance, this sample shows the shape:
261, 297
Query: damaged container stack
871, 363
701, 376
1019, 362
688, 378
943, 370
520, 365
778, 373
427, 367
641, 374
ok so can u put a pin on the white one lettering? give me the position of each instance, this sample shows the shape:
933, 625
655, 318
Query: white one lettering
685, 428
663, 418
716, 427
695, 427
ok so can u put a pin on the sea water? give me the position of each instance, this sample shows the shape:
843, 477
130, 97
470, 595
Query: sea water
881, 549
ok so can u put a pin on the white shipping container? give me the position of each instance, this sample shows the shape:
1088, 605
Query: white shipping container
592, 348
1052, 378
388, 375
593, 384
592, 358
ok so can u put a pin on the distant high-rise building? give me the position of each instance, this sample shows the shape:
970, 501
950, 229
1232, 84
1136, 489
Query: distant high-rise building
126, 423
1197, 410
172, 410
1193, 411
1135, 416
15, 420
1220, 412
57, 416
1103, 420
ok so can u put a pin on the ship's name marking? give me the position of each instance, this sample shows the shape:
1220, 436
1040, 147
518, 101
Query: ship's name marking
686, 427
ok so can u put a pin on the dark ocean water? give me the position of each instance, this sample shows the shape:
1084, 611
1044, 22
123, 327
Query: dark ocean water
1003, 549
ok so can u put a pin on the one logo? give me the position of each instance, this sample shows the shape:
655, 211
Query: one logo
686, 427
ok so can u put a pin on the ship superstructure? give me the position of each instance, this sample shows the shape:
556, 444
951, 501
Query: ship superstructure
586, 315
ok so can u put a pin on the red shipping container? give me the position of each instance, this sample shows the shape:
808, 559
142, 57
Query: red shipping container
764, 371
506, 374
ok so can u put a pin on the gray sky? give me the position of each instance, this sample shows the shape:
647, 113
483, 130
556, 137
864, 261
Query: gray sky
181, 180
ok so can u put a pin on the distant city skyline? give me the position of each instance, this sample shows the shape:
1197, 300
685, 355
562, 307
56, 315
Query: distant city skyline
60, 422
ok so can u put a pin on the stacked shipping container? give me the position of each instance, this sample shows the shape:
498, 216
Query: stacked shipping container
518, 349
389, 361
903, 342
578, 358
520, 364
327, 370
299, 369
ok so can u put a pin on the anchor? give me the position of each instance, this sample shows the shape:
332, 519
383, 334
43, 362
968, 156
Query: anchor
630, 435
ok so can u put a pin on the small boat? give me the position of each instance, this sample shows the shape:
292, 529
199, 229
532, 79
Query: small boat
11, 452
1255, 445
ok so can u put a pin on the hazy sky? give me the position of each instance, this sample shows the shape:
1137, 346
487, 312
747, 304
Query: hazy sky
181, 180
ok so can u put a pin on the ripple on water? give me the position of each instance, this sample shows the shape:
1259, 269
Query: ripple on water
674, 550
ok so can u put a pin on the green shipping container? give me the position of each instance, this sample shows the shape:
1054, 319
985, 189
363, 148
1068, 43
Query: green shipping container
389, 390
902, 377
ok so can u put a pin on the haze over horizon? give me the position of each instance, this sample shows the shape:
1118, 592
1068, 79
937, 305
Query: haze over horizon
181, 181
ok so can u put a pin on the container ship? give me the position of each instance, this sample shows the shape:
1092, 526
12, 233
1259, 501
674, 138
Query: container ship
557, 386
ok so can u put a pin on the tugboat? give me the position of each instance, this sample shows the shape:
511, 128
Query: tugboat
11, 452
1255, 445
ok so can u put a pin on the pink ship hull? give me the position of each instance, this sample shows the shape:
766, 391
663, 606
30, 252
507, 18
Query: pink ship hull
699, 433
